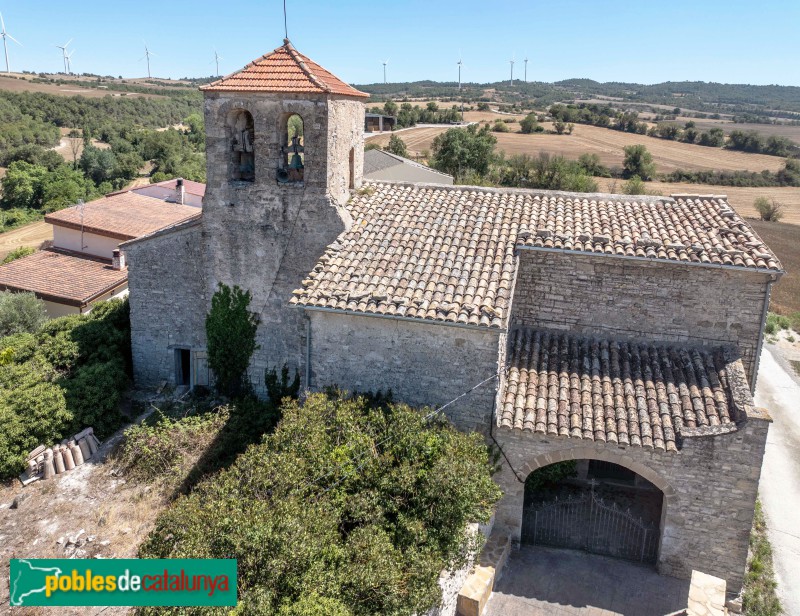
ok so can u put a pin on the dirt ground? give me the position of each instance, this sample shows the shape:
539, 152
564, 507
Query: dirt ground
33, 235
86, 513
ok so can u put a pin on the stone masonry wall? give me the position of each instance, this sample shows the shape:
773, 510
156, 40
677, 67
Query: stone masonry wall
709, 486
641, 300
423, 364
264, 236
168, 302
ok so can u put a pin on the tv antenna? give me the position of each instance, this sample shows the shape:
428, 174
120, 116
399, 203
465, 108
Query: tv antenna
6, 36
147, 54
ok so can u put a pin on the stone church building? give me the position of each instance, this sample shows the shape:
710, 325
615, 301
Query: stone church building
590, 327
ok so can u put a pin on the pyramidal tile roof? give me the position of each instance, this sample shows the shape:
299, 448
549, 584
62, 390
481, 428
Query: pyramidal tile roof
284, 70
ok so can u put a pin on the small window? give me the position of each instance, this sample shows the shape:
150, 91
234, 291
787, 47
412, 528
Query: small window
293, 156
243, 166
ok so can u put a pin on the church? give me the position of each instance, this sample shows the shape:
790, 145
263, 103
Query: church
619, 332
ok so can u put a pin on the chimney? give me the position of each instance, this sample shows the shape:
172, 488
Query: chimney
118, 260
180, 191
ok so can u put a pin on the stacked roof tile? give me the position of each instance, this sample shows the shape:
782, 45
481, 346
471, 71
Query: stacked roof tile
62, 276
448, 253
621, 392
284, 70
123, 216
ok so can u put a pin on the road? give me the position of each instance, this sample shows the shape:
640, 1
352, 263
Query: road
779, 392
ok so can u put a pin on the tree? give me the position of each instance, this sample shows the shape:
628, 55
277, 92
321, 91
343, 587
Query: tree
634, 186
75, 145
397, 146
390, 108
530, 124
714, 138
362, 502
458, 151
20, 312
484, 107
638, 161
499, 126
769, 209
231, 335
559, 127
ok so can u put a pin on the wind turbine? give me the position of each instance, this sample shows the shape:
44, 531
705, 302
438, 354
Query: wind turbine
63, 49
460, 64
6, 36
69, 62
147, 54
385, 62
216, 59
512, 72
526, 69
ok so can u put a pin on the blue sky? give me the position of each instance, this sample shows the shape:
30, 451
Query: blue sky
733, 41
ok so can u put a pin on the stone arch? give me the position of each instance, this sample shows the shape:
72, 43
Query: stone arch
292, 148
581, 453
241, 136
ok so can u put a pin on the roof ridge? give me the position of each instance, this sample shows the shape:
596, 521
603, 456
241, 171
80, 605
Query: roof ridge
298, 57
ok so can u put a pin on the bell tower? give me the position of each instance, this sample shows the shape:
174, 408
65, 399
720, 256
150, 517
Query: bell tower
284, 147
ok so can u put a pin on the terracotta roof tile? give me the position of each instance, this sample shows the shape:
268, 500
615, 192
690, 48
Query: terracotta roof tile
62, 276
284, 70
626, 393
123, 216
448, 253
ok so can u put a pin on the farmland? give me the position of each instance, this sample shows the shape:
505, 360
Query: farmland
608, 145
784, 240
26, 85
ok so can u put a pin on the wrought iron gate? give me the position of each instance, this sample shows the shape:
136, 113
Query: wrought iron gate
586, 522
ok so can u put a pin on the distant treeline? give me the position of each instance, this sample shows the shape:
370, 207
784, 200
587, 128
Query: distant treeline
756, 101
628, 121
411, 115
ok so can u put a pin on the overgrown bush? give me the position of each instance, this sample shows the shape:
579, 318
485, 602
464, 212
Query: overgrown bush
759, 597
775, 323
67, 375
18, 253
634, 186
769, 209
280, 388
359, 508
231, 334
20, 312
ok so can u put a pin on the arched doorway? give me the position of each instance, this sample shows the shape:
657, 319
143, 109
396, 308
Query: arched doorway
593, 505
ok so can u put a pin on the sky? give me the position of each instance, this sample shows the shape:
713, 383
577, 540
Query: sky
729, 41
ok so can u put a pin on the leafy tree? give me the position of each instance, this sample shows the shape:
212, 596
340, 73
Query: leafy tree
458, 151
20, 312
546, 172
231, 334
559, 127
591, 164
714, 138
354, 504
769, 209
390, 108
668, 130
638, 161
499, 126
529, 124
484, 107
397, 146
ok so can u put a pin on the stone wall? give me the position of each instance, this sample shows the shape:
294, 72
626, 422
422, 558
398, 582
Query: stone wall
709, 487
263, 236
168, 301
641, 300
423, 364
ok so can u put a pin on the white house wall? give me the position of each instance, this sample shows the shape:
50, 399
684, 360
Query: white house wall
93, 244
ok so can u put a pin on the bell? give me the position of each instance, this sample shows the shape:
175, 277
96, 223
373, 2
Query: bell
296, 162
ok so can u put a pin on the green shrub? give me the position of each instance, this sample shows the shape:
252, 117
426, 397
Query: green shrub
67, 376
20, 312
634, 186
278, 389
775, 323
769, 210
548, 476
758, 595
362, 506
18, 253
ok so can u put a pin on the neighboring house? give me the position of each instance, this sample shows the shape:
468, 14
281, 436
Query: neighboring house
378, 123
383, 165
622, 332
83, 265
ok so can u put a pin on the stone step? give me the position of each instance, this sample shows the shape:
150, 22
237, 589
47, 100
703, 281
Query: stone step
480, 583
